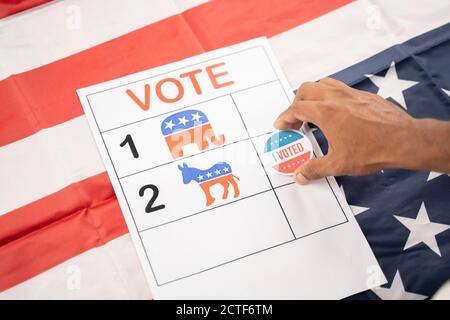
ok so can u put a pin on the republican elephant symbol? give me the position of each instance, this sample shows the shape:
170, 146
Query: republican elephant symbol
188, 127
220, 173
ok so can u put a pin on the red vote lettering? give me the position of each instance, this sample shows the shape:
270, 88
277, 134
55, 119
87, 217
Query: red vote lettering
213, 77
187, 81
161, 95
144, 106
193, 79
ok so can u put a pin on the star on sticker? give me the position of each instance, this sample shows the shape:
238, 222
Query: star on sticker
200, 177
209, 175
196, 116
183, 121
397, 291
422, 230
217, 171
225, 169
169, 125
390, 86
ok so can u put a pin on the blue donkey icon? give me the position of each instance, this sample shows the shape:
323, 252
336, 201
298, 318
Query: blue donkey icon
219, 173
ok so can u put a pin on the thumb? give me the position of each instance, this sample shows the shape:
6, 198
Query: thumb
313, 169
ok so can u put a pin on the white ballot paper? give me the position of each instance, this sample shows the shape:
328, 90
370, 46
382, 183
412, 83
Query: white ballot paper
184, 148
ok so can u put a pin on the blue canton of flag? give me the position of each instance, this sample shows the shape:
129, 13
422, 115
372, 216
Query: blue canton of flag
405, 214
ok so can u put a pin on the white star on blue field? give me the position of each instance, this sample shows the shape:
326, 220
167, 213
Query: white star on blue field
405, 214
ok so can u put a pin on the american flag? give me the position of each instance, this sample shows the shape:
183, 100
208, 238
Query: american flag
62, 234
403, 213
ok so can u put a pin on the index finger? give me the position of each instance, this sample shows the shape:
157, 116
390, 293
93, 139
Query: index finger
297, 113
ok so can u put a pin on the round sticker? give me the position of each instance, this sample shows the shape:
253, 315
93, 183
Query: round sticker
287, 150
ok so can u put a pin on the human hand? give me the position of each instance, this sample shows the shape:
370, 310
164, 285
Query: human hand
365, 132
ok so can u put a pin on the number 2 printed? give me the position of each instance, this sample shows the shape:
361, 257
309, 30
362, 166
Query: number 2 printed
149, 207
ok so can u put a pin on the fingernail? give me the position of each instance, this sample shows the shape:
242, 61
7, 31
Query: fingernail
299, 178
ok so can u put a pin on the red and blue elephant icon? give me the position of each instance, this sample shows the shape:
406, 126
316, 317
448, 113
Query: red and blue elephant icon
188, 127
192, 127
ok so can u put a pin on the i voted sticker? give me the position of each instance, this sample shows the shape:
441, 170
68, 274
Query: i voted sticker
287, 150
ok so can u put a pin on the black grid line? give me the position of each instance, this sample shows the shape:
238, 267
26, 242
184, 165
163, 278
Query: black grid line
262, 165
192, 155
145, 247
186, 107
123, 192
206, 210
251, 254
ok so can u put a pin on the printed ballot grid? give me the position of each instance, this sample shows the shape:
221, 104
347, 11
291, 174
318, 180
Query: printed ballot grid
178, 210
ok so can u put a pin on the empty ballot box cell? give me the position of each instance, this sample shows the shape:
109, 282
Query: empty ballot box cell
260, 106
300, 204
195, 185
175, 135
224, 235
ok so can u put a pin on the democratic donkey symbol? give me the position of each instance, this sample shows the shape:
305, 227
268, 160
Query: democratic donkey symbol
188, 127
219, 173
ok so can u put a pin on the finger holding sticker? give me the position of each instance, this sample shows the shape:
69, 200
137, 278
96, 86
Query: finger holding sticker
287, 150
